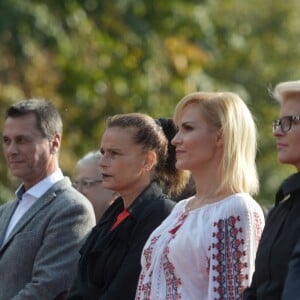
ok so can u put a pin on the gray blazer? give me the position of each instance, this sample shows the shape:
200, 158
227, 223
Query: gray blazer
39, 259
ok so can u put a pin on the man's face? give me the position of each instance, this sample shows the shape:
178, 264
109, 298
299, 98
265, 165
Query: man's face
30, 156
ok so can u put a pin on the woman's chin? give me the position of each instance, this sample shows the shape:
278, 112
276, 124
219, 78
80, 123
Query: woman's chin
180, 165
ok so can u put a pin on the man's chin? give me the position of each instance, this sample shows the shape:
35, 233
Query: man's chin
17, 173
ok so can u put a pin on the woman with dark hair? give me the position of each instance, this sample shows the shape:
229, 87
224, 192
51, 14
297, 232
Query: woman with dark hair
136, 159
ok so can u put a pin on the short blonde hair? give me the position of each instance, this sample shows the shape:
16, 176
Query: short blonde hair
228, 111
282, 89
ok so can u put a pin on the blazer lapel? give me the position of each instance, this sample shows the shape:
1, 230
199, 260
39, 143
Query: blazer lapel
36, 207
5, 217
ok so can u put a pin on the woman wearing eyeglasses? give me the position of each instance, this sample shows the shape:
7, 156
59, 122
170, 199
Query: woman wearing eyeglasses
137, 158
282, 229
89, 183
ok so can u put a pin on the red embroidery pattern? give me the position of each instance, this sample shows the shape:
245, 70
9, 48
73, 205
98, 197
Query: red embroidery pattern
180, 221
172, 281
148, 251
258, 227
143, 291
227, 259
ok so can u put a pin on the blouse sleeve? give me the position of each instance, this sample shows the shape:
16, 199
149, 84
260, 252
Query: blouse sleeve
231, 252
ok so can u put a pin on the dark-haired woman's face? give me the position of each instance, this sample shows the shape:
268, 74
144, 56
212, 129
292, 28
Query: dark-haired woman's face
123, 161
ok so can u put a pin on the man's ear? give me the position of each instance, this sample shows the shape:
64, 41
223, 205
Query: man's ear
55, 143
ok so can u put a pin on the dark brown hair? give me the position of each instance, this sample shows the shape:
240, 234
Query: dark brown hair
155, 135
48, 119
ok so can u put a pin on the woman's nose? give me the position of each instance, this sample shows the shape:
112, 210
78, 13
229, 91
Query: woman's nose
175, 139
277, 131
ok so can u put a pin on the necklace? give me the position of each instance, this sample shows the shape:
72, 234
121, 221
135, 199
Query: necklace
187, 208
194, 203
200, 201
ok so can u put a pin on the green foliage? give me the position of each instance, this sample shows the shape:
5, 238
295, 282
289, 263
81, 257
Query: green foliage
98, 58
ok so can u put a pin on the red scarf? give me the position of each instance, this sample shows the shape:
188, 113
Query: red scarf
121, 217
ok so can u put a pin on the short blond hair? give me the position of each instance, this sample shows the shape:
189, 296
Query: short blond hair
228, 111
283, 89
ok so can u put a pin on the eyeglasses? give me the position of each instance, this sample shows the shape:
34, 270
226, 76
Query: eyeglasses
85, 183
285, 123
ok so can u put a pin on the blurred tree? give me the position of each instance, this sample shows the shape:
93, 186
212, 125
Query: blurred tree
98, 58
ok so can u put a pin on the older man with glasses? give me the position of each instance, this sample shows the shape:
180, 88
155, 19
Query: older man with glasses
277, 268
89, 183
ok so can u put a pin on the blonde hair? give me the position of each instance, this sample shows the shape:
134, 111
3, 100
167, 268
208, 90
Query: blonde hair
284, 88
227, 111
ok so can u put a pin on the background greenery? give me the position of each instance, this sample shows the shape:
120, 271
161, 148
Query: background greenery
98, 58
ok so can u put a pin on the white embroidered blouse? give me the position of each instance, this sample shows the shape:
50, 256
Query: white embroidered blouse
205, 254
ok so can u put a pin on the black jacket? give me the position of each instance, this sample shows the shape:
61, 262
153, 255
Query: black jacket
110, 259
291, 289
280, 235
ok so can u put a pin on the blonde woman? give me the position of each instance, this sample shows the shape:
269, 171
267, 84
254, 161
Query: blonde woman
206, 248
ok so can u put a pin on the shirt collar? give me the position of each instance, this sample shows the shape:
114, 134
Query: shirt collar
41, 187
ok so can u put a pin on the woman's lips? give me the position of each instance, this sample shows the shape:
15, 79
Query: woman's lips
281, 146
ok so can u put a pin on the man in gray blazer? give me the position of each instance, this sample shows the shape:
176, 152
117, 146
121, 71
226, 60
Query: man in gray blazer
43, 229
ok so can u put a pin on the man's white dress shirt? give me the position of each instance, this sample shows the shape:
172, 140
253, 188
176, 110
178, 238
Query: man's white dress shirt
29, 197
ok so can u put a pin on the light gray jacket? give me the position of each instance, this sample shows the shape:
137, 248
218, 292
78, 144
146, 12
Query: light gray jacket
39, 259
